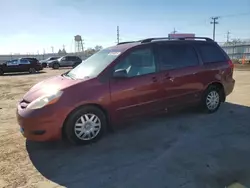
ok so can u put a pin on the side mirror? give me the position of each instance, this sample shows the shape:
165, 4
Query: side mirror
120, 73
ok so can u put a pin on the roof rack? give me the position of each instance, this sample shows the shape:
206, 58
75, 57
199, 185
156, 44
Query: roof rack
206, 38
151, 39
180, 38
165, 38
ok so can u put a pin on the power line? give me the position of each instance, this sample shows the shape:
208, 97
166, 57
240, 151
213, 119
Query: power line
235, 15
214, 22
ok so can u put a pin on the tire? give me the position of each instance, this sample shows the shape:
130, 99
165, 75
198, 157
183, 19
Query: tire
55, 66
212, 99
78, 132
44, 65
1, 72
32, 70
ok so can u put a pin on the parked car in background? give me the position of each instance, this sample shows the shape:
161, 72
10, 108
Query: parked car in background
30, 65
46, 61
129, 80
65, 61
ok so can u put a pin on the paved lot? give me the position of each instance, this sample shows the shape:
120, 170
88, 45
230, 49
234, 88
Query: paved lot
185, 150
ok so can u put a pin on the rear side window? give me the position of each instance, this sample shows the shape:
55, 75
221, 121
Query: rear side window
24, 61
175, 56
210, 53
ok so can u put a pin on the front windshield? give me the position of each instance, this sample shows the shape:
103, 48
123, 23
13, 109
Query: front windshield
94, 65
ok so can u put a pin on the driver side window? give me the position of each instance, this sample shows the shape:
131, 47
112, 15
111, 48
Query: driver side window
138, 62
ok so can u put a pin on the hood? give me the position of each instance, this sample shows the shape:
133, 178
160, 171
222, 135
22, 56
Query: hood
47, 86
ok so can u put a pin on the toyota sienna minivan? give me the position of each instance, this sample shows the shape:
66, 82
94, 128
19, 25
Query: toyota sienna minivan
129, 80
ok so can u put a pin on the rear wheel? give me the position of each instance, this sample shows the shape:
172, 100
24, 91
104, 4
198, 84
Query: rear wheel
55, 66
85, 125
212, 99
32, 70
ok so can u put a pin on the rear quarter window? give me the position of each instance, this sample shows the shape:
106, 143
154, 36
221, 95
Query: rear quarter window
210, 53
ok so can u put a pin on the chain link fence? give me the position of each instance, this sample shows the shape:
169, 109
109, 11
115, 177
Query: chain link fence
238, 52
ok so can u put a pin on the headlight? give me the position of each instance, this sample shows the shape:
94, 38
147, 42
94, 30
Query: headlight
45, 100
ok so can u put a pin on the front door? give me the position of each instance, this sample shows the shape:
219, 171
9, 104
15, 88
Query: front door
139, 93
11, 66
179, 65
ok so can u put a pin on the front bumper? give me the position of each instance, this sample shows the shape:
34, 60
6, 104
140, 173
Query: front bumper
40, 125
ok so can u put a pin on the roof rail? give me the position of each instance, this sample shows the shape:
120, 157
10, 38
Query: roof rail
126, 42
167, 38
206, 38
151, 39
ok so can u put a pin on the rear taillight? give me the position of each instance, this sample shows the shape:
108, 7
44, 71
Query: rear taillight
231, 64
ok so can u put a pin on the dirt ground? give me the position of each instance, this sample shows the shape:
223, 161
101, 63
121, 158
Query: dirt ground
185, 150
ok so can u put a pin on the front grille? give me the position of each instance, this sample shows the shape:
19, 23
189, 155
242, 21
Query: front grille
24, 104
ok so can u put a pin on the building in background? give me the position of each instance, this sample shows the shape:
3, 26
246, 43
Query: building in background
237, 49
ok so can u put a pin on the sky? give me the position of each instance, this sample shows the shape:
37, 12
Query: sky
34, 26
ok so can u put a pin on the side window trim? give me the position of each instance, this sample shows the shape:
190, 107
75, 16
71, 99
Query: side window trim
197, 54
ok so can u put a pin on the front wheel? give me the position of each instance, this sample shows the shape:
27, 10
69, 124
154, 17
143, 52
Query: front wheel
1, 72
211, 99
32, 70
55, 66
85, 125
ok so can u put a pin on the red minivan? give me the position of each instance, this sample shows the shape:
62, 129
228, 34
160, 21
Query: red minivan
129, 80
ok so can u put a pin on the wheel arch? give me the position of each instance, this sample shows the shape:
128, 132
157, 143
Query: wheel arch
220, 86
104, 110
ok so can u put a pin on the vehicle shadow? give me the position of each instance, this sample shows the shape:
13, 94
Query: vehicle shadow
187, 149
22, 73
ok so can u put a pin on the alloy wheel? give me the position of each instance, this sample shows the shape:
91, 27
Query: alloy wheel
212, 100
87, 127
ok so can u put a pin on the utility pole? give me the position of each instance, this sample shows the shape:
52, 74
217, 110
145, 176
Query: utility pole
52, 48
43, 53
214, 22
228, 36
118, 35
174, 31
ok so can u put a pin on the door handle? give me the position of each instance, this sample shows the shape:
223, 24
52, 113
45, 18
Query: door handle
167, 76
154, 79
